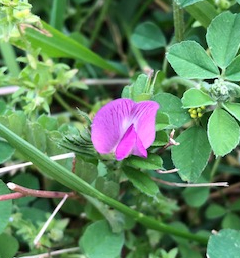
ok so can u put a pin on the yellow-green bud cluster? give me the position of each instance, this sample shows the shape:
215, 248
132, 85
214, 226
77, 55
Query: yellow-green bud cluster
196, 112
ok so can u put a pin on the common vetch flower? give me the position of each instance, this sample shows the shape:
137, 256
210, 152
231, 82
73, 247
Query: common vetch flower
124, 127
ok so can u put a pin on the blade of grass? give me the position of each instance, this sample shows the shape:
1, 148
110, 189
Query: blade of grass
72, 181
56, 44
10, 58
57, 14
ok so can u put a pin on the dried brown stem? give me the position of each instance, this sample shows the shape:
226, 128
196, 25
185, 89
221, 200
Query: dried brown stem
23, 192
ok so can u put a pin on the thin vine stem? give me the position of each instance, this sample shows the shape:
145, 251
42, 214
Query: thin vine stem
72, 181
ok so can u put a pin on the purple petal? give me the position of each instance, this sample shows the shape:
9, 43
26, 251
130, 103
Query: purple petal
143, 116
127, 143
110, 124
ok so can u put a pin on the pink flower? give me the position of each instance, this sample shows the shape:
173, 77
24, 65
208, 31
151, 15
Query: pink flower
124, 127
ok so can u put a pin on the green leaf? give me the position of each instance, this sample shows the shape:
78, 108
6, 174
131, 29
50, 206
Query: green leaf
196, 196
189, 60
36, 135
162, 121
161, 139
184, 3
9, 246
98, 241
223, 132
3, 107
56, 44
17, 122
5, 207
196, 98
29, 181
203, 12
172, 106
48, 123
233, 109
109, 188
223, 38
225, 243
215, 211
192, 155
232, 72
153, 161
6, 151
231, 220
141, 181
148, 36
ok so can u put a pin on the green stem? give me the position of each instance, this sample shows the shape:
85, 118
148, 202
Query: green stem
215, 166
178, 22
178, 80
100, 20
79, 100
70, 180
9, 57
66, 106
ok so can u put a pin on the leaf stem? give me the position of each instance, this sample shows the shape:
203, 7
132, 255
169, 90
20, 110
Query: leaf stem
64, 104
215, 166
72, 181
178, 19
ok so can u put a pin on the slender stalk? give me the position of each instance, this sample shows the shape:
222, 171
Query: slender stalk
215, 167
9, 57
178, 19
70, 180
79, 100
178, 80
64, 104
99, 21
45, 226
53, 253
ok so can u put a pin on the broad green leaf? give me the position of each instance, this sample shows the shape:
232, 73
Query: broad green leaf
47, 122
192, 155
107, 187
153, 161
196, 98
225, 243
233, 109
215, 211
141, 181
98, 241
184, 3
56, 44
6, 151
5, 207
17, 122
9, 246
36, 135
223, 38
232, 72
86, 170
204, 12
172, 106
148, 36
190, 60
196, 196
223, 132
